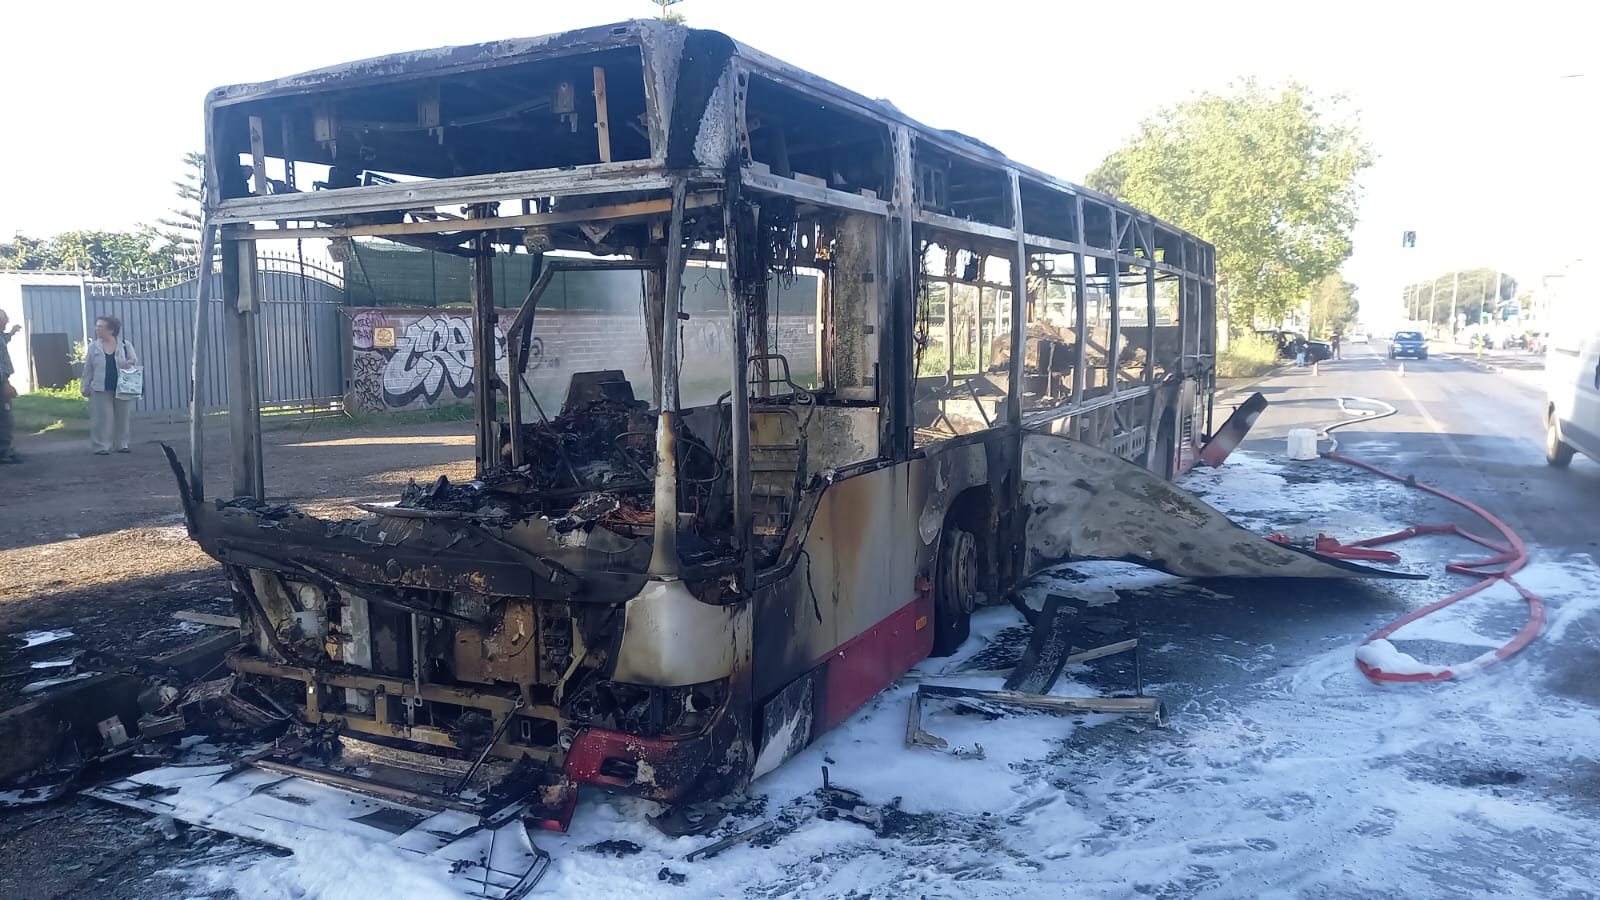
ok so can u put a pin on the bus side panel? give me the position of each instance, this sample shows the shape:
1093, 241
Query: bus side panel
857, 611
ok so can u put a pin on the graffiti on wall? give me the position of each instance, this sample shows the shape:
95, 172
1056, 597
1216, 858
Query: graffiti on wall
411, 359
417, 358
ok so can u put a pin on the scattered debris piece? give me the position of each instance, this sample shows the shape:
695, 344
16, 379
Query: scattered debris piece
1076, 656
986, 701
711, 850
1145, 706
485, 860
35, 687
1081, 656
59, 663
844, 803
1048, 648
166, 825
29, 796
671, 877
617, 848
77, 720
31, 639
682, 821
203, 618
113, 732
484, 879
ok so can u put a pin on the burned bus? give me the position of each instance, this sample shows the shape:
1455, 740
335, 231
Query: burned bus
683, 557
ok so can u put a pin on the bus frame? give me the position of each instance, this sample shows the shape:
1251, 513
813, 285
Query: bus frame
837, 530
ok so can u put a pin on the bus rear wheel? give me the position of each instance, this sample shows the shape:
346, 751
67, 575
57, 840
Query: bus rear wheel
955, 590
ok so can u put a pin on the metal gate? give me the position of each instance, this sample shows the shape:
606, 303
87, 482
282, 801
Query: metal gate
302, 343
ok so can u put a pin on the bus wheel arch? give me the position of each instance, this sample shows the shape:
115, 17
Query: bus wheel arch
1164, 446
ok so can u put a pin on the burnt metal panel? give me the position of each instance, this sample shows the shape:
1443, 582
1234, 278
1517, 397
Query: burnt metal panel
1141, 518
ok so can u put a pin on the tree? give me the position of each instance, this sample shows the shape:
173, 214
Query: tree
1334, 308
182, 228
1267, 175
667, 15
104, 254
1473, 290
23, 252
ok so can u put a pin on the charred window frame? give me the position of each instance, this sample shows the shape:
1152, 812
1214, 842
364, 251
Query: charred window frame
792, 134
962, 345
947, 184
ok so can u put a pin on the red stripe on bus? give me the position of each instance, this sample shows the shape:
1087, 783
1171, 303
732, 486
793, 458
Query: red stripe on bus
869, 662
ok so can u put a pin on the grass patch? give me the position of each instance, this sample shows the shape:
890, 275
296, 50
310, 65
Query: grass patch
51, 409
1247, 356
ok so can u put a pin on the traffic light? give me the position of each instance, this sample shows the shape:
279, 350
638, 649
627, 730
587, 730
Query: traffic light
1408, 239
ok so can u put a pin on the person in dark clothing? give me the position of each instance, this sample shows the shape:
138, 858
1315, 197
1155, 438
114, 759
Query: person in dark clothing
1335, 342
7, 392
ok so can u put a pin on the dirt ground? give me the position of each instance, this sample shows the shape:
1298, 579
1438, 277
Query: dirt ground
80, 531
96, 545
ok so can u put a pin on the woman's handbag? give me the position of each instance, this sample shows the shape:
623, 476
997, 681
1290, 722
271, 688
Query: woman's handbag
130, 381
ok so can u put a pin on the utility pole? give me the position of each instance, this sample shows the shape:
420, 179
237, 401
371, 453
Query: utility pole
1454, 290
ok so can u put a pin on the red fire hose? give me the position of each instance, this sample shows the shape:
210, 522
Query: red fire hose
1509, 557
1512, 555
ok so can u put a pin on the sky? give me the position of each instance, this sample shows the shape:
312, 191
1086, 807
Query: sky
1480, 114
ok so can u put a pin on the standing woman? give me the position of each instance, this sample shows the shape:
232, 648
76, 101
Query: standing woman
108, 354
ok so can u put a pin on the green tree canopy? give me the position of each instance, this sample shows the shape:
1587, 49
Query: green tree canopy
105, 254
1473, 292
1267, 175
1334, 307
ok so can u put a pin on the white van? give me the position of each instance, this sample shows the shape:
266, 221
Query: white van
1572, 365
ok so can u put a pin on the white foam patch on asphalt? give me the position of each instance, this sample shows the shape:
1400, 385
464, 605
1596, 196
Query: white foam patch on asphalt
1297, 777
1383, 656
1274, 494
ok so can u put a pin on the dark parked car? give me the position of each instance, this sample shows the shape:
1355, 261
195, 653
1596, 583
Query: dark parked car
1316, 351
1408, 343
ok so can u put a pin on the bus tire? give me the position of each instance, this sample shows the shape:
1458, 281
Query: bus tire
955, 590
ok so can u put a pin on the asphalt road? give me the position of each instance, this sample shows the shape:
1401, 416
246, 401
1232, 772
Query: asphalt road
1481, 787
1459, 427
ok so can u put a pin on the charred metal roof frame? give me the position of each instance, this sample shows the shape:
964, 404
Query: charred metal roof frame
664, 41
439, 61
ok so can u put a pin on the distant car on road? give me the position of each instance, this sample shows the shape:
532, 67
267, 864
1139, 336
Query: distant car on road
1359, 336
1408, 343
1572, 410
